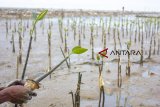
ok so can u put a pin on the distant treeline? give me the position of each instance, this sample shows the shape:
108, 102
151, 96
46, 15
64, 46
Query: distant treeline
28, 13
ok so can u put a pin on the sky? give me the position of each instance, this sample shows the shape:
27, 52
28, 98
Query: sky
131, 5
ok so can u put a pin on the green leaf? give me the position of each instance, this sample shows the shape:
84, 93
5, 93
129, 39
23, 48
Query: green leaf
98, 57
78, 50
41, 15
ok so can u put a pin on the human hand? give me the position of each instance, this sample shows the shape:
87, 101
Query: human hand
18, 94
16, 82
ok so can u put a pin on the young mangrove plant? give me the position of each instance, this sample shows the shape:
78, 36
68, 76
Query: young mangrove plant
114, 38
127, 23
130, 37
38, 18
154, 49
60, 23
84, 30
109, 27
122, 27
97, 28
141, 58
13, 44
6, 28
68, 28
139, 31
65, 39
92, 40
104, 36
102, 24
101, 84
76, 97
118, 34
119, 82
10, 24
135, 34
158, 50
150, 47
15, 29
128, 68
20, 44
73, 26
79, 35
49, 50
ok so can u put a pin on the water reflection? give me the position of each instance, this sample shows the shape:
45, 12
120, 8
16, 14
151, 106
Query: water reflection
117, 99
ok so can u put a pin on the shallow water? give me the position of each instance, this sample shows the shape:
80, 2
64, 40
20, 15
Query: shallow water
64, 79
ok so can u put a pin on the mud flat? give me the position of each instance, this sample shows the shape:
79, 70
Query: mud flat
140, 89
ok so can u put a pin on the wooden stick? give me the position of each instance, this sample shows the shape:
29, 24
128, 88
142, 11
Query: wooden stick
64, 57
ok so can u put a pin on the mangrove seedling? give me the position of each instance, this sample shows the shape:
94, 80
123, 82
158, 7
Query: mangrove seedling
92, 40
154, 49
84, 27
73, 26
128, 68
150, 48
119, 83
79, 35
158, 47
65, 39
49, 50
101, 84
13, 44
141, 59
20, 44
6, 28
38, 18
114, 37
76, 97
60, 23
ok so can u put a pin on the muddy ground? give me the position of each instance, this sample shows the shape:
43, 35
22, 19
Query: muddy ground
141, 89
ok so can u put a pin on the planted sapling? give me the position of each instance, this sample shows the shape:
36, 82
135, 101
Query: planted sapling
101, 84
128, 67
38, 18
